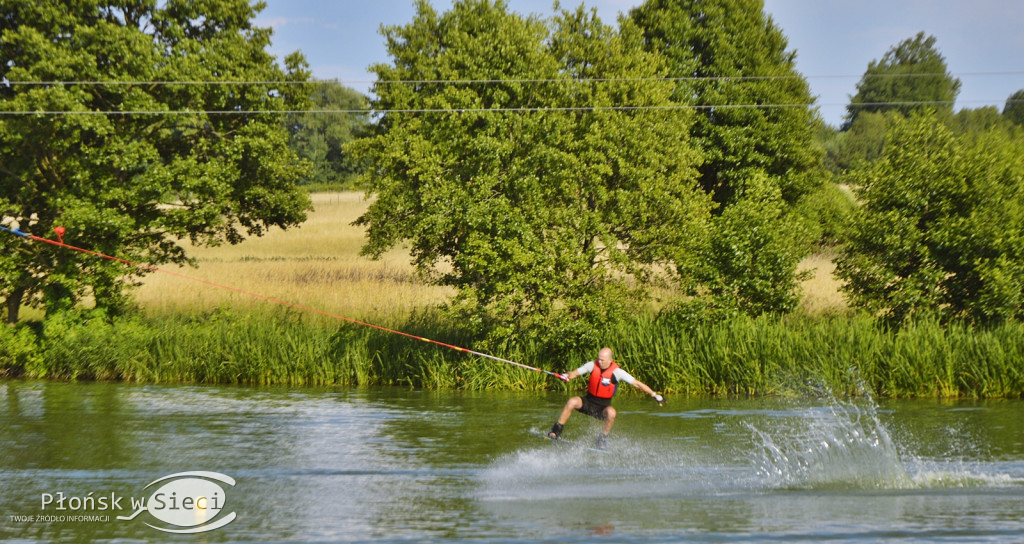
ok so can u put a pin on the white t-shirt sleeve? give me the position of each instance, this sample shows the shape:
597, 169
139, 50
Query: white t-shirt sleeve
587, 368
623, 376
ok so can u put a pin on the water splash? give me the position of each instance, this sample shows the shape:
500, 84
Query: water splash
841, 445
958, 465
541, 471
832, 446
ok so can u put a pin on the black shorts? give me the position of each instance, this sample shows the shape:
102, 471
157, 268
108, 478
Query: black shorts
594, 407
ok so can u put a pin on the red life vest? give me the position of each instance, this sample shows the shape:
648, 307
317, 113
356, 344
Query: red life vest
602, 383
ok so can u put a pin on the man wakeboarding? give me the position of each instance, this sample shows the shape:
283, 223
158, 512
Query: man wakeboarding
605, 376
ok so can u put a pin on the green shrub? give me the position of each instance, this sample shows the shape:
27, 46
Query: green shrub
19, 350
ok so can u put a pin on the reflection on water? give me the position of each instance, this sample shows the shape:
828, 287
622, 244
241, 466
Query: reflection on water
394, 464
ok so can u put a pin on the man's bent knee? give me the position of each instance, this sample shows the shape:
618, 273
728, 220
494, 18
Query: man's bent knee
609, 414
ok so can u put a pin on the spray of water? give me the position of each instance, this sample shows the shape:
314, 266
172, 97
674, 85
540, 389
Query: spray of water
835, 445
841, 445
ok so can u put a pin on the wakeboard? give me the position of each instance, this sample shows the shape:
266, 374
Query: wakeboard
568, 443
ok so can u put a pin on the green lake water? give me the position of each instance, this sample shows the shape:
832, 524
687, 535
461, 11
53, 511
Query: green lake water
399, 465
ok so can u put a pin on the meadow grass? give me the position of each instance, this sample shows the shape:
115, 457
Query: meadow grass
315, 265
820, 293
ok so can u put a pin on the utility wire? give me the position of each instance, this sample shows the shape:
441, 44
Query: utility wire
494, 81
486, 82
673, 107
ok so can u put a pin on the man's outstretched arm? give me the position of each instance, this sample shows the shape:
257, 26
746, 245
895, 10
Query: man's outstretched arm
643, 387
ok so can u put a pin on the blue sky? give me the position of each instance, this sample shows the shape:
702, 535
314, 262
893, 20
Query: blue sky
982, 40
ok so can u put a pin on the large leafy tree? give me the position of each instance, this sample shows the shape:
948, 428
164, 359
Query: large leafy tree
319, 136
754, 114
753, 250
941, 227
502, 164
756, 128
912, 75
78, 148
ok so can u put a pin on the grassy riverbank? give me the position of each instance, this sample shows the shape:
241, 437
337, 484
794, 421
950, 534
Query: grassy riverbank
846, 355
188, 331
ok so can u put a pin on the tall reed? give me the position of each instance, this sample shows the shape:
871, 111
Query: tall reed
846, 355
743, 356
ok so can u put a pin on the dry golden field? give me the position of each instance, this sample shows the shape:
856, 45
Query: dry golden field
821, 291
318, 265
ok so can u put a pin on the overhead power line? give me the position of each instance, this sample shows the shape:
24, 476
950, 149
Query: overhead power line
488, 110
512, 80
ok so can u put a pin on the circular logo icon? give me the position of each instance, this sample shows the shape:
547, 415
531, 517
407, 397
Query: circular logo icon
191, 500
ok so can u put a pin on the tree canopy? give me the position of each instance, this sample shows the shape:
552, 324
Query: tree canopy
320, 137
545, 207
754, 109
912, 75
941, 228
860, 144
755, 127
978, 121
1013, 110
109, 132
